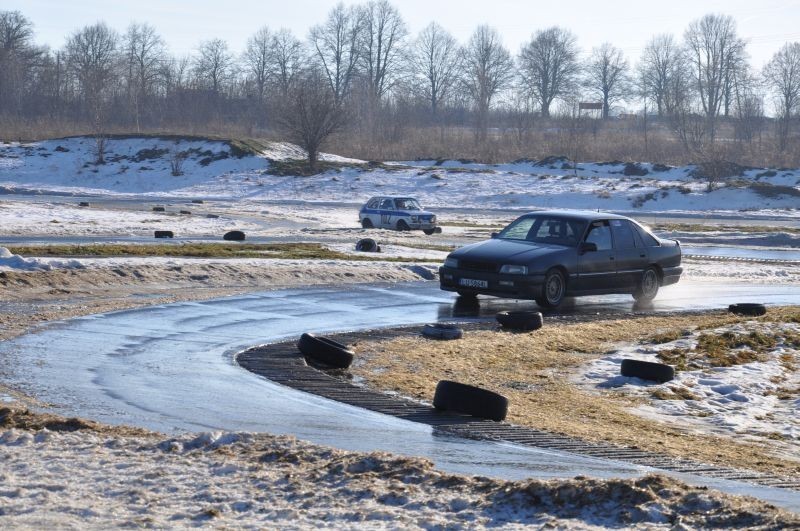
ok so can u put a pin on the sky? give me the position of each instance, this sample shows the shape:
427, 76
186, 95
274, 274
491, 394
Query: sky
628, 24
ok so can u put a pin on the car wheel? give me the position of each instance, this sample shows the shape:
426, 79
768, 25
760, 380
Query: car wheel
647, 370
553, 289
467, 295
429, 232
470, 400
366, 223
402, 225
648, 286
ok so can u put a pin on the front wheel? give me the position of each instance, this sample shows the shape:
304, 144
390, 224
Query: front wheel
366, 223
402, 226
553, 290
648, 286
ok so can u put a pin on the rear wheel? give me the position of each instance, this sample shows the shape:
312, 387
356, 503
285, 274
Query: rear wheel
402, 225
648, 286
366, 223
553, 290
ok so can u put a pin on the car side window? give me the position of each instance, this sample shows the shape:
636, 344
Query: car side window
648, 239
623, 234
387, 204
600, 235
373, 203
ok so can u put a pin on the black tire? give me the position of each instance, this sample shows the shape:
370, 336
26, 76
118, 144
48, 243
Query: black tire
402, 226
164, 234
429, 232
647, 289
83, 204
325, 351
470, 400
443, 331
366, 223
748, 308
212, 216
554, 289
234, 236
367, 245
466, 295
520, 320
647, 370
197, 201
186, 212
159, 209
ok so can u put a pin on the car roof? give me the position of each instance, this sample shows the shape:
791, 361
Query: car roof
392, 197
586, 215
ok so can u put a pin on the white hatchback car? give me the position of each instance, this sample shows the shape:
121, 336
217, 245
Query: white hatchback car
398, 213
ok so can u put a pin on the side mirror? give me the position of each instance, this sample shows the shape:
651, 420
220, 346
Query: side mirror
495, 234
587, 247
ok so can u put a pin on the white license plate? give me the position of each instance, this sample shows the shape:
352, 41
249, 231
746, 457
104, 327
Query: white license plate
472, 283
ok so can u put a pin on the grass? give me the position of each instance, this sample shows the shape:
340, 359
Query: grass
725, 349
300, 168
695, 227
312, 251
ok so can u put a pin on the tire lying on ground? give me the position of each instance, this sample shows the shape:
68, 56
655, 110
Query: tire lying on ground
234, 236
186, 212
83, 204
159, 209
367, 245
444, 331
197, 201
325, 350
470, 400
164, 234
748, 308
522, 320
647, 370
212, 216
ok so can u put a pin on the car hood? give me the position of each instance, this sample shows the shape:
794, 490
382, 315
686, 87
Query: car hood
497, 249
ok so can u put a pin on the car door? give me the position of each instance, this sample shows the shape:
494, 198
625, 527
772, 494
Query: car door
387, 213
629, 253
597, 269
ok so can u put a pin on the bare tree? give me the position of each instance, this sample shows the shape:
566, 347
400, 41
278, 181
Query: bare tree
214, 66
488, 69
287, 59
436, 59
337, 47
144, 55
311, 113
549, 66
782, 76
661, 61
381, 45
17, 56
257, 60
607, 75
714, 49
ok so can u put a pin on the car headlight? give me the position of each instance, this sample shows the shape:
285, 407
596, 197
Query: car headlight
414, 219
510, 269
451, 262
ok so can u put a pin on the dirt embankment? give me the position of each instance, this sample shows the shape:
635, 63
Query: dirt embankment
535, 371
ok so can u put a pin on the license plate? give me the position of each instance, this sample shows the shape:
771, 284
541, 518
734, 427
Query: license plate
472, 283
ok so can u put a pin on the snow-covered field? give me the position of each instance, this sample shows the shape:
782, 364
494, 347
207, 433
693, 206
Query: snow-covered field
754, 399
142, 166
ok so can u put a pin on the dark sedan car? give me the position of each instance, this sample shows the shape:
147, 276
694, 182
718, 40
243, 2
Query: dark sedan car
547, 256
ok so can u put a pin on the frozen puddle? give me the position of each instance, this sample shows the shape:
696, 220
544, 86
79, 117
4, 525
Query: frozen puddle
170, 368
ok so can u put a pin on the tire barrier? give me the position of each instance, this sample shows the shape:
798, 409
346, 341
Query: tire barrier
367, 245
164, 234
443, 331
647, 370
325, 350
470, 400
159, 209
234, 236
753, 309
520, 320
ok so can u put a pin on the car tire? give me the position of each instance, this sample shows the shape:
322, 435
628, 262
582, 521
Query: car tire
443, 331
647, 289
164, 234
647, 370
234, 236
753, 309
429, 232
554, 289
83, 204
402, 226
520, 320
470, 400
326, 351
366, 223
367, 245
159, 209
466, 295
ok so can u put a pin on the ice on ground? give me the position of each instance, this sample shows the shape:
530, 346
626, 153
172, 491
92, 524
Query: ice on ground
11, 261
759, 399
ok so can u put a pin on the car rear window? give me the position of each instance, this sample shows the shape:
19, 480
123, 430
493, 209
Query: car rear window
648, 239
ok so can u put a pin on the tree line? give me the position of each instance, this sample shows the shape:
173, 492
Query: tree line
361, 73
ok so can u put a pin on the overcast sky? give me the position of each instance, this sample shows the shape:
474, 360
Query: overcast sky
628, 24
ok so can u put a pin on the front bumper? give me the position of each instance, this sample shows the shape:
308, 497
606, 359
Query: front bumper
498, 285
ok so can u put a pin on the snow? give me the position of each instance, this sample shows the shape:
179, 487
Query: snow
739, 400
519, 185
392, 251
10, 261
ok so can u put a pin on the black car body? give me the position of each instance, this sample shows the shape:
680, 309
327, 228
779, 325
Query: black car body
548, 255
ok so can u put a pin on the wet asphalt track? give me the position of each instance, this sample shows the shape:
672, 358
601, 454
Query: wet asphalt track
171, 368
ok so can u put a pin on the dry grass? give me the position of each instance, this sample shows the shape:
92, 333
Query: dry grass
534, 371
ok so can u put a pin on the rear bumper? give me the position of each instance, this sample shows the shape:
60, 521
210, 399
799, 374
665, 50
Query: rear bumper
671, 275
510, 286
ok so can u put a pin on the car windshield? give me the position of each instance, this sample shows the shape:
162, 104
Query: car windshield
406, 203
554, 230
